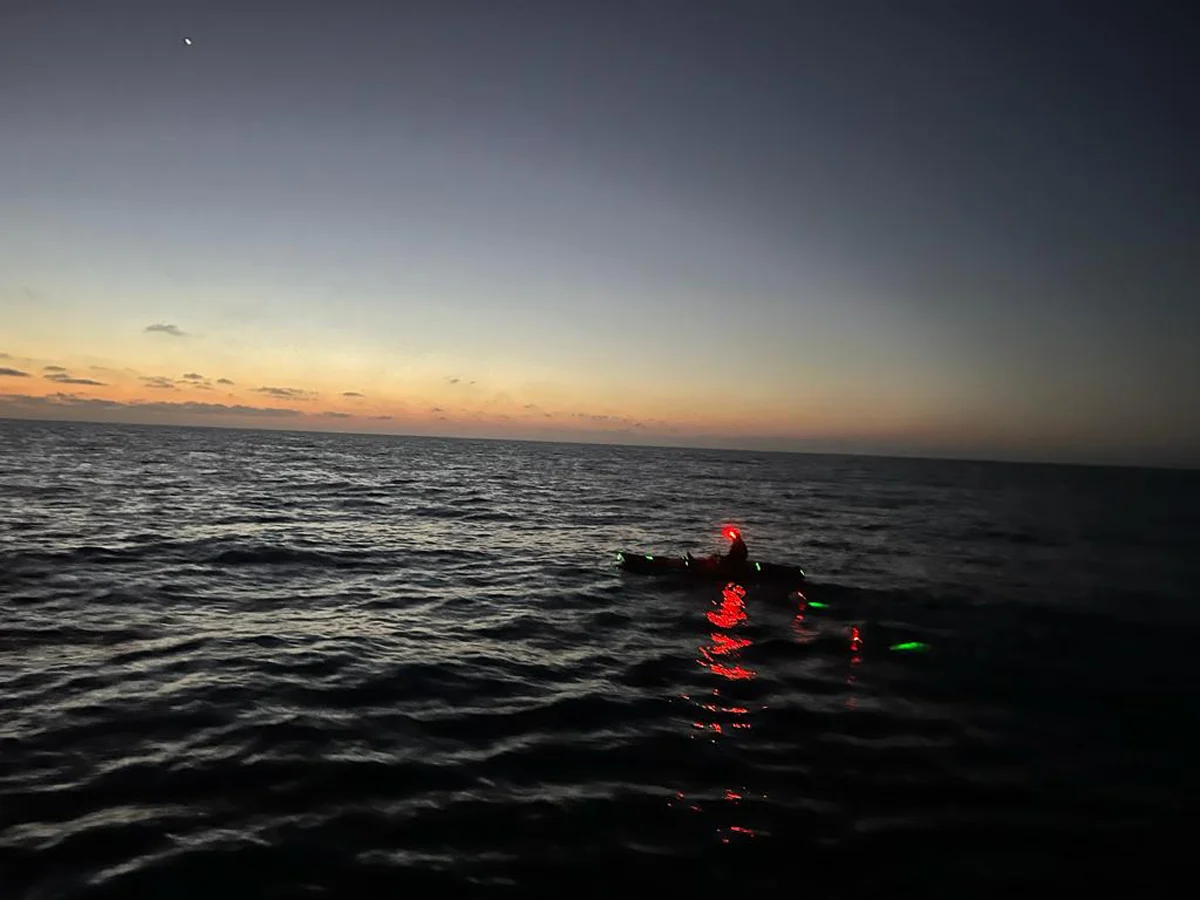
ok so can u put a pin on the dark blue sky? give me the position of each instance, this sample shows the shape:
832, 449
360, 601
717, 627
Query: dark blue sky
952, 228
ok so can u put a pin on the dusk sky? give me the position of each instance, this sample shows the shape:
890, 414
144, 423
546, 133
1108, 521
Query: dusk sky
949, 229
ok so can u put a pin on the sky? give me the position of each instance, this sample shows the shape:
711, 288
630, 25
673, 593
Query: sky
939, 229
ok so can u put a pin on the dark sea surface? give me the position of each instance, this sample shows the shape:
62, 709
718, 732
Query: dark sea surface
278, 664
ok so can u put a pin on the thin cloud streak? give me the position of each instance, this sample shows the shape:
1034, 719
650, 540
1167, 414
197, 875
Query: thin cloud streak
164, 328
64, 378
286, 393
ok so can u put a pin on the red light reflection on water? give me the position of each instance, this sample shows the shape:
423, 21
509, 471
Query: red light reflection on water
804, 633
733, 607
724, 643
720, 717
851, 677
733, 673
730, 614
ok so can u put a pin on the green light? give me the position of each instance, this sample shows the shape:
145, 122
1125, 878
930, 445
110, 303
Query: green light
649, 557
910, 645
816, 604
758, 567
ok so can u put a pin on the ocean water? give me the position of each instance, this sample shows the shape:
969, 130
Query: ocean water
281, 664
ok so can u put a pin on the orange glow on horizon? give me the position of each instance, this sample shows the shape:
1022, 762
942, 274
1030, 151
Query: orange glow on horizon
339, 390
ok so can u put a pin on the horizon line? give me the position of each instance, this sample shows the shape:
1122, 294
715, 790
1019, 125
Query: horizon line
865, 454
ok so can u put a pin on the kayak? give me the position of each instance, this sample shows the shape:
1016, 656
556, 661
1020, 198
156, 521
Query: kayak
707, 567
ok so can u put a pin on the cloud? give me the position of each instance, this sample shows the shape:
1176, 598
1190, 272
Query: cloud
158, 381
14, 373
64, 378
193, 376
436, 409
224, 381
54, 368
173, 330
624, 421
336, 415
455, 380
381, 417
59, 400
286, 393
351, 394
5, 356
191, 407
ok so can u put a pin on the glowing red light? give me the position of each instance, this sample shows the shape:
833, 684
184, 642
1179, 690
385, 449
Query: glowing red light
730, 533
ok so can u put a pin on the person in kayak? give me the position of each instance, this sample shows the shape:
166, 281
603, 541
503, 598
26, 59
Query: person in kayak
733, 561
738, 555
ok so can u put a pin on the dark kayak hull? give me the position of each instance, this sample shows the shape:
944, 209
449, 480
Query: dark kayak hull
707, 568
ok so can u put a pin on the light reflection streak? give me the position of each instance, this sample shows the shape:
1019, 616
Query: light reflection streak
720, 716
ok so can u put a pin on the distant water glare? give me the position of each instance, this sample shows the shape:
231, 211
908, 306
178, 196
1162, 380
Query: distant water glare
279, 664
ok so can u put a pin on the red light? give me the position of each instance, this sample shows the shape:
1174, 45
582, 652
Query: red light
730, 533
